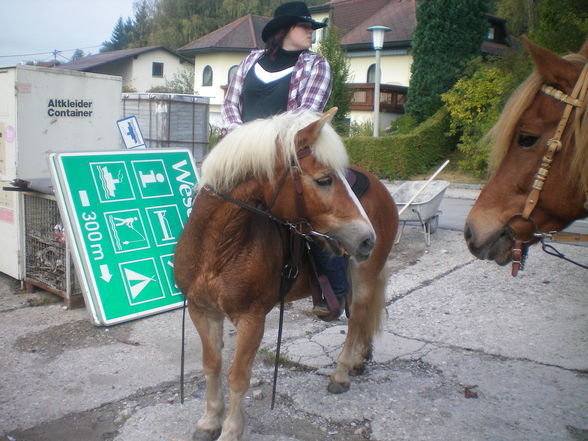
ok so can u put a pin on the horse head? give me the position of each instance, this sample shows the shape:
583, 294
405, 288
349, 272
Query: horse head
541, 179
293, 165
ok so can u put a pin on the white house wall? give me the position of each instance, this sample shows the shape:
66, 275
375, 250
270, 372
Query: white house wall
122, 68
220, 64
141, 76
395, 69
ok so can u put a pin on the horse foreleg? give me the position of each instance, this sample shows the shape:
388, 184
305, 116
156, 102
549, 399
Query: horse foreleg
249, 335
210, 329
366, 310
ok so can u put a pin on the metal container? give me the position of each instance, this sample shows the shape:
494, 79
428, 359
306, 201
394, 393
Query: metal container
171, 120
45, 110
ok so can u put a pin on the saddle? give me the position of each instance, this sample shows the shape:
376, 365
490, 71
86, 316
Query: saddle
359, 183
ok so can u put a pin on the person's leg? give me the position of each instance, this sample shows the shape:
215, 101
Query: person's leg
334, 268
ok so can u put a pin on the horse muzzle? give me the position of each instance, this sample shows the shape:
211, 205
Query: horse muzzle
358, 238
497, 247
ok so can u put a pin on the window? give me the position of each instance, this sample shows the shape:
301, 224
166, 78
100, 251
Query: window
392, 97
207, 76
371, 74
491, 33
232, 72
157, 69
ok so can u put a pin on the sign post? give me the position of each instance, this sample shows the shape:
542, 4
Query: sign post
124, 212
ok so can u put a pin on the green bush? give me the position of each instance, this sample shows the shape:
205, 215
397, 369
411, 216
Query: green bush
363, 128
403, 155
475, 102
404, 124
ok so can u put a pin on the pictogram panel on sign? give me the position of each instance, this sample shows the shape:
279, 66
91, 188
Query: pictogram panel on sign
125, 211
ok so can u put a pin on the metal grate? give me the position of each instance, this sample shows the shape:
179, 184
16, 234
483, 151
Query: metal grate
47, 263
171, 120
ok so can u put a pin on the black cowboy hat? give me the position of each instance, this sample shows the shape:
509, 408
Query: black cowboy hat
286, 15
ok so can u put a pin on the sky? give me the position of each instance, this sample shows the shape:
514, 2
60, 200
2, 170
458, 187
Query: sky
43, 26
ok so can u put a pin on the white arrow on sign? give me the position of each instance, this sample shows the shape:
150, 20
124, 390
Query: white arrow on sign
105, 273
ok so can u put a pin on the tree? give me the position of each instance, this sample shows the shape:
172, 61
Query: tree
331, 49
183, 81
142, 24
121, 36
563, 25
521, 15
78, 53
447, 35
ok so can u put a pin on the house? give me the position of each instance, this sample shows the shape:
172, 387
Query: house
140, 68
218, 54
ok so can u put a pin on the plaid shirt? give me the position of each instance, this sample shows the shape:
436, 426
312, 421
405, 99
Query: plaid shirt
310, 86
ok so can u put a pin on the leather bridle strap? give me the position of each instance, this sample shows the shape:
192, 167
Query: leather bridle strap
574, 101
554, 145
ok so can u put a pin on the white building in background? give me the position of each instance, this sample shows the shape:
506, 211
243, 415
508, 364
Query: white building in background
217, 54
140, 68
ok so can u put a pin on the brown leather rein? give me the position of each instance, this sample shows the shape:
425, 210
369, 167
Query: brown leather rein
575, 101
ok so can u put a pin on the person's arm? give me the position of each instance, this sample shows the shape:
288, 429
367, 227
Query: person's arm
317, 89
231, 110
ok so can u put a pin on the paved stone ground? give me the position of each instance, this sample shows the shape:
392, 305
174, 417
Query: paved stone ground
466, 353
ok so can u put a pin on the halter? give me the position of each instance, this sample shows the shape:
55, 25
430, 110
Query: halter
575, 101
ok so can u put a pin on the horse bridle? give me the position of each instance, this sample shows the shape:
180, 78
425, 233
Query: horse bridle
575, 101
300, 227
301, 233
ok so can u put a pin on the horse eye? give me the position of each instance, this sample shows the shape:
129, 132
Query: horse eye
527, 140
325, 181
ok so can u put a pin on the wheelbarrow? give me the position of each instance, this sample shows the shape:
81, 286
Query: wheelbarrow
423, 209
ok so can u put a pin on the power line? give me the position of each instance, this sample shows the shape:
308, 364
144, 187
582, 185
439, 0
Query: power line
49, 52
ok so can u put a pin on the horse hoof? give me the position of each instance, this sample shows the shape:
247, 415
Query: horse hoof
337, 388
206, 435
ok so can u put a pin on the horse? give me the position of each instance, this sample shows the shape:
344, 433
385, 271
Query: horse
263, 186
540, 144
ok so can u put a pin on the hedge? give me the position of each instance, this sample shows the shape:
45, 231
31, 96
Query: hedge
401, 156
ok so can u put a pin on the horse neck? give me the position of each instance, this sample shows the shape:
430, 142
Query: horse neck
227, 227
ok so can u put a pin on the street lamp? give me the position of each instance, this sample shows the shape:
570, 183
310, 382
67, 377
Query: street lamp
378, 43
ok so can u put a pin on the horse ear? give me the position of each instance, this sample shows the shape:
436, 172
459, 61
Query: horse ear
309, 134
552, 68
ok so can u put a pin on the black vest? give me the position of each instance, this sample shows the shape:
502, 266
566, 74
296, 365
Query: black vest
266, 94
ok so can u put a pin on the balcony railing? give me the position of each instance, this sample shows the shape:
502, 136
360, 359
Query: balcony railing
392, 98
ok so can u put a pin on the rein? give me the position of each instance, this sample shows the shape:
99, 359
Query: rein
575, 101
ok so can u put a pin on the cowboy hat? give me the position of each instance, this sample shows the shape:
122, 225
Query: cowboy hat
286, 15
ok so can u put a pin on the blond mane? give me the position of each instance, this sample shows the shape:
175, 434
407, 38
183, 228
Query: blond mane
503, 131
250, 151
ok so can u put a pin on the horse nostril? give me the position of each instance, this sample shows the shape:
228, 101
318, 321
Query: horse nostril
467, 233
367, 246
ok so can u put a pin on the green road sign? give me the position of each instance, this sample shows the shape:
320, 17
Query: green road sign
124, 212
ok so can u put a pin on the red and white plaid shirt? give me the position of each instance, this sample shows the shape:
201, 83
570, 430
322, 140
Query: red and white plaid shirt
310, 86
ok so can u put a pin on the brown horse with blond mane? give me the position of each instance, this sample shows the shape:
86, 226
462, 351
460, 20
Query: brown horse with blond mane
541, 146
228, 262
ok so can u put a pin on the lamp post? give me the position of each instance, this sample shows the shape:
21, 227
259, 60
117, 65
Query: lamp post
378, 43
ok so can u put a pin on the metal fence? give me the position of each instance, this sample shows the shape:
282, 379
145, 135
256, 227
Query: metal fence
47, 262
171, 120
